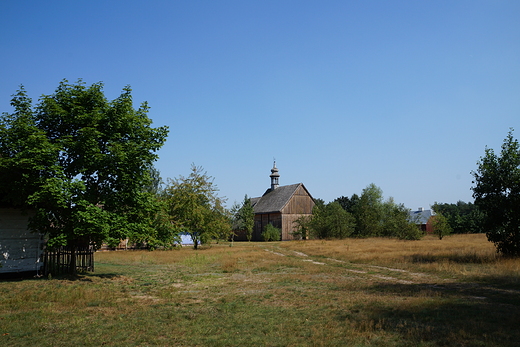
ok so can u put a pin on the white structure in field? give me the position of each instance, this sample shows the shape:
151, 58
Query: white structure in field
20, 249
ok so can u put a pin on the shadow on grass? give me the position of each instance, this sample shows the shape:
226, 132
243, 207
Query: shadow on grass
481, 292
450, 314
18, 276
467, 258
30, 275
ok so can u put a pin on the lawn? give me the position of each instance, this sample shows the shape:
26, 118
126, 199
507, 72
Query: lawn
353, 292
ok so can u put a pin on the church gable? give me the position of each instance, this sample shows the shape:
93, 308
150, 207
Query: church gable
301, 202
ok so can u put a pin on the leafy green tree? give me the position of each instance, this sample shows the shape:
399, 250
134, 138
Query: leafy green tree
331, 221
220, 221
369, 212
27, 157
349, 204
302, 227
497, 195
82, 161
195, 207
376, 217
396, 222
244, 217
440, 226
463, 217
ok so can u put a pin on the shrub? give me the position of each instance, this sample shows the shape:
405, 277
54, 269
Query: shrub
271, 233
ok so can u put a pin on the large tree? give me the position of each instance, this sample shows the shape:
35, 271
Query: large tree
369, 212
195, 207
497, 195
82, 161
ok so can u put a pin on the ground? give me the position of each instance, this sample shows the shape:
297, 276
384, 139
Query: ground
370, 292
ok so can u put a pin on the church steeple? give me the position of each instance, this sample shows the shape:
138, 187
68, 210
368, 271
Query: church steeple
274, 177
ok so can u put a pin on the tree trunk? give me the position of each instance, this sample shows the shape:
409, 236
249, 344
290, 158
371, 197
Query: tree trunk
72, 268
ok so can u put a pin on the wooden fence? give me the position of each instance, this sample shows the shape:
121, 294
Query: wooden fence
58, 261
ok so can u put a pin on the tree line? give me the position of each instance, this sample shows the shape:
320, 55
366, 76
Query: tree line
85, 164
365, 215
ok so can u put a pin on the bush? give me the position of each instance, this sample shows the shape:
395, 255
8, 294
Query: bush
271, 233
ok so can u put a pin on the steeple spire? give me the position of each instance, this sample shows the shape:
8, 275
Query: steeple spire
274, 177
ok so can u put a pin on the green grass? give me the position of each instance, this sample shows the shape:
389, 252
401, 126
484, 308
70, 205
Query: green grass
332, 293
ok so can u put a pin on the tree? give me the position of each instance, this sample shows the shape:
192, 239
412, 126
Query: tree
331, 221
440, 226
462, 217
348, 204
497, 195
82, 161
303, 227
195, 207
162, 232
26, 154
396, 222
369, 212
244, 216
376, 217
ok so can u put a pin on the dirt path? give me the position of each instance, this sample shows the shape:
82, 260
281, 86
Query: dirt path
394, 276
376, 272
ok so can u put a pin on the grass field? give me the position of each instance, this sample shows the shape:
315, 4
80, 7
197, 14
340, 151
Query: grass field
354, 292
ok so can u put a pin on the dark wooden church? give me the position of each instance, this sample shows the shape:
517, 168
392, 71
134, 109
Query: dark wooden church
281, 206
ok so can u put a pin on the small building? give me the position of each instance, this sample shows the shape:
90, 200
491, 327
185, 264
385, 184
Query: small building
20, 249
281, 206
423, 218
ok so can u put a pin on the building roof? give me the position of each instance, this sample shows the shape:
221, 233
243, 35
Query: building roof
420, 216
274, 200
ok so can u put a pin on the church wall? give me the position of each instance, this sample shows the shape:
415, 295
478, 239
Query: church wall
300, 203
261, 220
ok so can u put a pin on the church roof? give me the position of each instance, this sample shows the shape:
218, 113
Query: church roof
274, 200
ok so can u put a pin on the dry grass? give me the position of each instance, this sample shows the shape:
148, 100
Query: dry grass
370, 292
468, 257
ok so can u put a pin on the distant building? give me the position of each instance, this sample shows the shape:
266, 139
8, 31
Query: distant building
423, 218
281, 206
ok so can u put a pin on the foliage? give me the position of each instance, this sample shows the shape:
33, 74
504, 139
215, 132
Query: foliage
369, 212
440, 226
396, 222
271, 233
82, 161
244, 217
27, 157
193, 204
463, 217
376, 217
497, 195
330, 221
349, 204
302, 230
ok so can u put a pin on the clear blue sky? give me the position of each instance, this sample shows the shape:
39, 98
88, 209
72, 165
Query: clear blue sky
402, 94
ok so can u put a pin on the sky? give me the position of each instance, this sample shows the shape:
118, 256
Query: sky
342, 94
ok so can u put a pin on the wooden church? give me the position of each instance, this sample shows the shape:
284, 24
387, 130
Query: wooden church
281, 206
